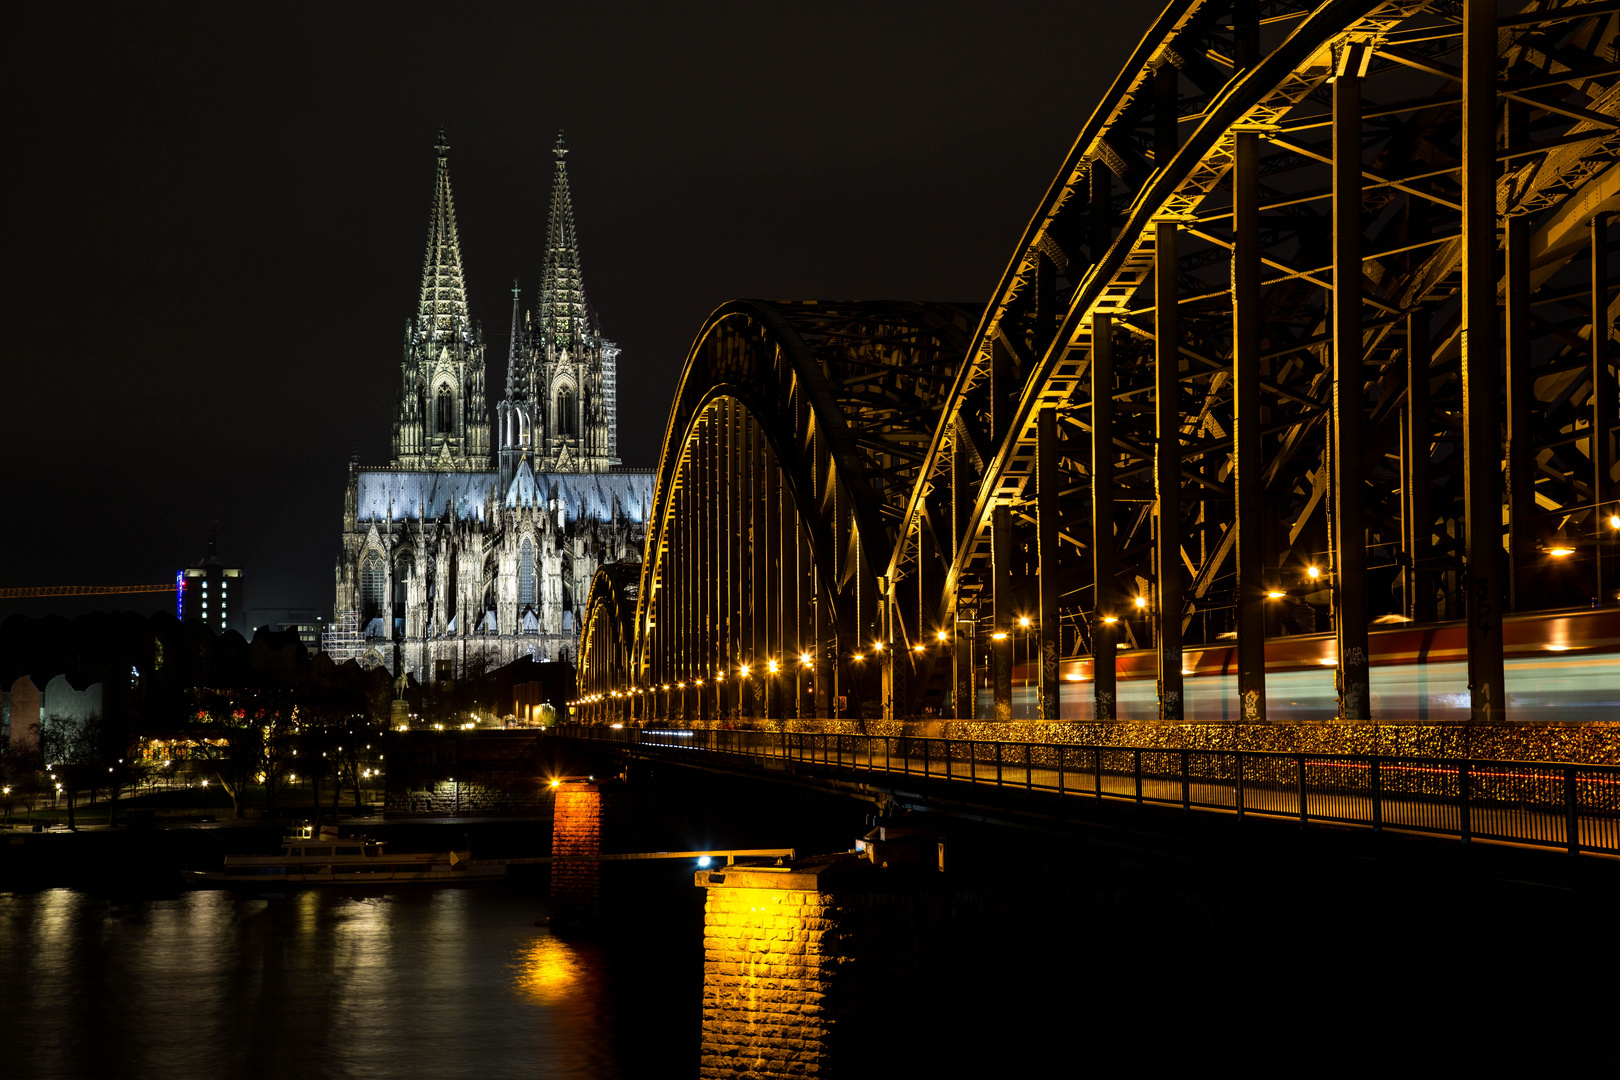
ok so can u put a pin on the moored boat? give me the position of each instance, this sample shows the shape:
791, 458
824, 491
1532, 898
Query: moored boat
329, 859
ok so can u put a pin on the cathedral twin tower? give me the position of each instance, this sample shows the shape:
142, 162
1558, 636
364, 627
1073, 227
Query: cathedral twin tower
452, 563
561, 373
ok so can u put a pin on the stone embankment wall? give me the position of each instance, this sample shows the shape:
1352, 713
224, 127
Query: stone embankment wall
1596, 743
480, 772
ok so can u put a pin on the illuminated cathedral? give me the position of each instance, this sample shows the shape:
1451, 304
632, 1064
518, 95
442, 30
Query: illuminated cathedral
459, 556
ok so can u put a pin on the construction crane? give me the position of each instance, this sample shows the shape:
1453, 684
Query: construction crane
82, 590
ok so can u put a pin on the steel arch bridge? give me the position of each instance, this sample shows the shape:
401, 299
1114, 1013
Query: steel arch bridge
1315, 324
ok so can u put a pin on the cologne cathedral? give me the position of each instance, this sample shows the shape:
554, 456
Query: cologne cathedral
454, 562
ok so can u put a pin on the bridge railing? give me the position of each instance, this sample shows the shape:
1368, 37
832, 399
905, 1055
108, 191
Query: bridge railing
1555, 805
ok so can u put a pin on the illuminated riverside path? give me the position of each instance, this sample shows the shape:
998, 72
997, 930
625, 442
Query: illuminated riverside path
1313, 332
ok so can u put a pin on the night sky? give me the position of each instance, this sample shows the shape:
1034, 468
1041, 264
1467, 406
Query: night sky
218, 212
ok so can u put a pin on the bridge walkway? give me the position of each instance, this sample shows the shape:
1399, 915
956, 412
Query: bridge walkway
1554, 805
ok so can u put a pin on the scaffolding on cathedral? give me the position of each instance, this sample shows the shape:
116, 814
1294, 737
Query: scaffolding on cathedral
341, 641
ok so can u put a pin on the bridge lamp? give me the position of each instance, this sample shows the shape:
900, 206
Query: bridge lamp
857, 656
772, 667
940, 636
1275, 594
742, 670
804, 658
1560, 552
916, 648
703, 860
700, 682
1023, 620
1614, 521
1313, 572
1141, 601
877, 646
1110, 620
999, 635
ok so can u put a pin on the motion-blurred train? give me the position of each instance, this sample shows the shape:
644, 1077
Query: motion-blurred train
1562, 666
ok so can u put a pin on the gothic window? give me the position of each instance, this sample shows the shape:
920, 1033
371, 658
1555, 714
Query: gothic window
492, 583
404, 570
565, 411
567, 580
445, 421
372, 587
526, 574
452, 597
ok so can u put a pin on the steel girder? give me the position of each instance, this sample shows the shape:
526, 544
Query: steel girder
1327, 361
789, 454
605, 635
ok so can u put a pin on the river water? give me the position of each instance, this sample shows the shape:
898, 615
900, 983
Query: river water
313, 983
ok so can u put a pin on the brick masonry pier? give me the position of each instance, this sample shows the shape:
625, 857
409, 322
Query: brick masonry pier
576, 834
774, 966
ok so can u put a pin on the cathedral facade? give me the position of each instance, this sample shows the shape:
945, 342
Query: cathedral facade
461, 556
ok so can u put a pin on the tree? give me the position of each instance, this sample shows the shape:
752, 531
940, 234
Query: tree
230, 738
70, 748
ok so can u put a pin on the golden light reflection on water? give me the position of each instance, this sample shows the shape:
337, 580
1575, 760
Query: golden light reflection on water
549, 971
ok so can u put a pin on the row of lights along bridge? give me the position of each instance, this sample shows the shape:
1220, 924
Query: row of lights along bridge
807, 662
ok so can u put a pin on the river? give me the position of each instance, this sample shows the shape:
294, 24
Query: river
419, 982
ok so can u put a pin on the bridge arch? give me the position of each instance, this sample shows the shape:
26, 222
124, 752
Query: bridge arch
604, 642
1242, 375
1294, 428
787, 456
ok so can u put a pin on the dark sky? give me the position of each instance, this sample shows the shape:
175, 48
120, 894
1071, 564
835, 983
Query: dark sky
217, 215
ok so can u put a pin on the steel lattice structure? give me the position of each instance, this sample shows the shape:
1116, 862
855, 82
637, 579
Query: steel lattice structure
1315, 322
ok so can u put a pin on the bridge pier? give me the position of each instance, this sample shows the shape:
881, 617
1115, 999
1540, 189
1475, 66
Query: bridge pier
576, 839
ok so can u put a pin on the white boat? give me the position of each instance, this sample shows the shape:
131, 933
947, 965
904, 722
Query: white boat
329, 859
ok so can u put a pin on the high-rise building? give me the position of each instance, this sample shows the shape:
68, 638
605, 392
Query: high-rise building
212, 593
450, 561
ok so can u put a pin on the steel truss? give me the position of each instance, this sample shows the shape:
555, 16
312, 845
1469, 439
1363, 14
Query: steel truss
1315, 325
788, 459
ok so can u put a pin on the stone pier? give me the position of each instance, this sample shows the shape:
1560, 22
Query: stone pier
576, 834
777, 969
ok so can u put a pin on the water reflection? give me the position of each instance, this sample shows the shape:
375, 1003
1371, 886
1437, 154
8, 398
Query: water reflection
446, 982
549, 969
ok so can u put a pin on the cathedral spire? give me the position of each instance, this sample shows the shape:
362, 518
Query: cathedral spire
515, 350
442, 312
562, 287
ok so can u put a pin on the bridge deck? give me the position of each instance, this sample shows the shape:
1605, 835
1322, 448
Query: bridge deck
1556, 805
